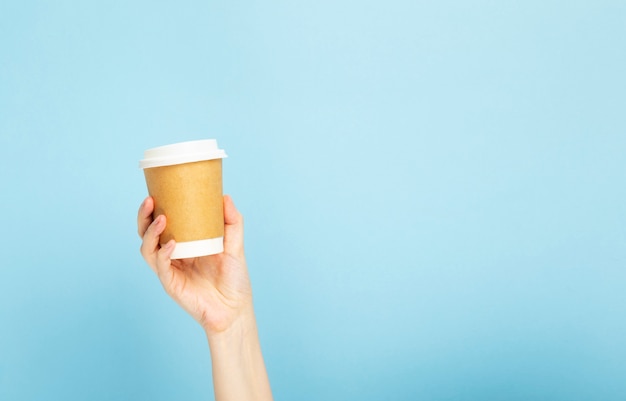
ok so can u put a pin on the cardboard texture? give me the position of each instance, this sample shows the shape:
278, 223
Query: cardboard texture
190, 197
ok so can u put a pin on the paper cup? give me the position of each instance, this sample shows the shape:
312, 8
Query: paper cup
185, 181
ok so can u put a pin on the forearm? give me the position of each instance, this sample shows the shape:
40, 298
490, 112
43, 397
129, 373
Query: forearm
238, 369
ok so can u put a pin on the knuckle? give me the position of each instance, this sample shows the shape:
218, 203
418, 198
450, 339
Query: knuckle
145, 252
142, 250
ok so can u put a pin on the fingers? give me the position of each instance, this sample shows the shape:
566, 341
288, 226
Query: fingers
158, 257
150, 244
144, 216
233, 228
163, 263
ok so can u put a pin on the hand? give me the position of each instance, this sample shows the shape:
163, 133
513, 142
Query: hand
215, 290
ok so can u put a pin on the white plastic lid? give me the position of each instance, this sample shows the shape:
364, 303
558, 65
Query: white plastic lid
182, 152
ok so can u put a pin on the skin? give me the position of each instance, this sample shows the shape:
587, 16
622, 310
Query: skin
215, 290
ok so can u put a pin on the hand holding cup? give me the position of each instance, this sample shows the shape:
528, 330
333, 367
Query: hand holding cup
214, 289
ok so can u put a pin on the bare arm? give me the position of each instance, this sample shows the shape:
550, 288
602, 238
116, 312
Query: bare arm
215, 290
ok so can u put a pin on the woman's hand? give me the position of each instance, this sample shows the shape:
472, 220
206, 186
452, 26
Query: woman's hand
215, 290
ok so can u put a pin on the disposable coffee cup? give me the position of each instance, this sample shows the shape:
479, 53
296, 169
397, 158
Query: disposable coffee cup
185, 181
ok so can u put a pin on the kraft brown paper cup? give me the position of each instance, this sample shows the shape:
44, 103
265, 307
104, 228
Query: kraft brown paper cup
185, 181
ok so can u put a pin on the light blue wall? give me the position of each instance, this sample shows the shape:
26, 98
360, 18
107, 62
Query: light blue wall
433, 192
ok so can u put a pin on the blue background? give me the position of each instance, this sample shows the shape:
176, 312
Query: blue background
433, 192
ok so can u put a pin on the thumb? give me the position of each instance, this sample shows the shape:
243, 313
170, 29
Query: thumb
233, 228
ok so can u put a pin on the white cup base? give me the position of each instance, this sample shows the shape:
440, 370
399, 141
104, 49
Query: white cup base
193, 249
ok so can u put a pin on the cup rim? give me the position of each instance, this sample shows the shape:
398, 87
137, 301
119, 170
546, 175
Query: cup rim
182, 152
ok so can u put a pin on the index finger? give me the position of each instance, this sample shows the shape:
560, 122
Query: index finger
144, 216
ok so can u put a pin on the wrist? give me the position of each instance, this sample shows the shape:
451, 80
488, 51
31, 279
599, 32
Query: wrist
241, 327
